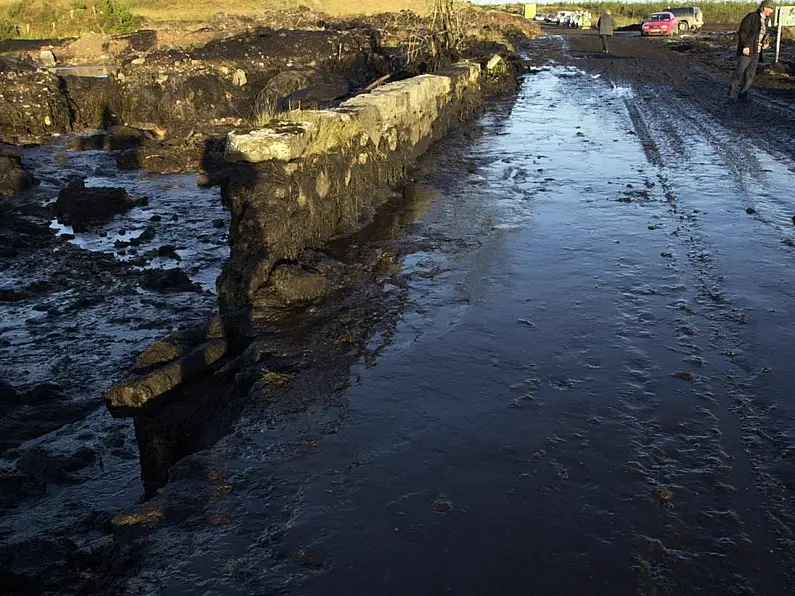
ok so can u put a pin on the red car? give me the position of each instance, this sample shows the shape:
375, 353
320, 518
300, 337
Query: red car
660, 23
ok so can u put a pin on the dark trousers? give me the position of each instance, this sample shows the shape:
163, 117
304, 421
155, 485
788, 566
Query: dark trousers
743, 76
604, 39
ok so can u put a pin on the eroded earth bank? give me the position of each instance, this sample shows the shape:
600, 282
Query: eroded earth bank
555, 361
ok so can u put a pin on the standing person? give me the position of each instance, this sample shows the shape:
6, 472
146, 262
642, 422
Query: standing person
751, 40
605, 25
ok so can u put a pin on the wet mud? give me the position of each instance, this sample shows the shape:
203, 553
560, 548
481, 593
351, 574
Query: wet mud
75, 307
565, 369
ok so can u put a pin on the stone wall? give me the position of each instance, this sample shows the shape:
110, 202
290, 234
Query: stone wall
319, 176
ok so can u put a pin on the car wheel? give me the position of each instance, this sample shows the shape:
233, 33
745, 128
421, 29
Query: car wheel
683, 26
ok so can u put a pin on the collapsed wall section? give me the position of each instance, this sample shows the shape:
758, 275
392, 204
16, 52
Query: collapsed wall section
320, 175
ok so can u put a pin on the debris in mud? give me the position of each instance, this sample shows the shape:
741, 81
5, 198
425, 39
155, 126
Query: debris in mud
443, 506
663, 495
55, 468
306, 558
145, 518
786, 543
277, 379
788, 242
88, 142
684, 375
169, 280
128, 160
146, 236
750, 210
167, 364
123, 138
13, 176
81, 206
160, 352
8, 395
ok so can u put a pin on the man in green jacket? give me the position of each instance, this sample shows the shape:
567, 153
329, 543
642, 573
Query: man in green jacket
751, 40
605, 25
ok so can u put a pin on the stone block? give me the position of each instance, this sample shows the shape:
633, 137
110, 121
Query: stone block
281, 141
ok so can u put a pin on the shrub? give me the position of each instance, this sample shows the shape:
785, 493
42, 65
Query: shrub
7, 29
117, 16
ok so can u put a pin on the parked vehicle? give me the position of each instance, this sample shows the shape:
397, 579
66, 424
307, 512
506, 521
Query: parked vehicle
660, 23
582, 20
540, 17
564, 17
551, 18
688, 17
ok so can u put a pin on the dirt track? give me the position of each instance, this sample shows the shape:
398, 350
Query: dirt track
694, 68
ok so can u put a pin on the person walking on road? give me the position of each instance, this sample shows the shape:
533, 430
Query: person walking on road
751, 40
606, 24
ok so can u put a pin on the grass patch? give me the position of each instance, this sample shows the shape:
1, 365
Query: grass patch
62, 18
187, 10
68, 18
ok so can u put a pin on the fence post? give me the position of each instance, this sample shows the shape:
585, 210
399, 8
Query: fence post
778, 34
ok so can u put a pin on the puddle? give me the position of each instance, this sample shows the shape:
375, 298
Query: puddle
96, 71
185, 226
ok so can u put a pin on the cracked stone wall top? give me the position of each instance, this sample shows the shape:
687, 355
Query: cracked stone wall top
412, 104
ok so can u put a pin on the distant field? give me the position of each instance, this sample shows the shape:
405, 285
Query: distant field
200, 9
63, 18
187, 10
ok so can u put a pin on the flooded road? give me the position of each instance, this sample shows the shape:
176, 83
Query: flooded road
579, 380
587, 391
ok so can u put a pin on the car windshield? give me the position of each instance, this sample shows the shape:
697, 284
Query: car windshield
660, 16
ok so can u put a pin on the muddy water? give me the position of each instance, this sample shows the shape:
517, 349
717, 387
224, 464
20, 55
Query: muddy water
587, 392
190, 222
74, 313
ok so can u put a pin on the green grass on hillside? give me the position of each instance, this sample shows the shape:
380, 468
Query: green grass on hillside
64, 18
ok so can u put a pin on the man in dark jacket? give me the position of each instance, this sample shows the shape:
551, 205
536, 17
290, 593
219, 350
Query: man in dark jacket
605, 25
751, 40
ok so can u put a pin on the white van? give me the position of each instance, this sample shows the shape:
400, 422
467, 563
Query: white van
565, 17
